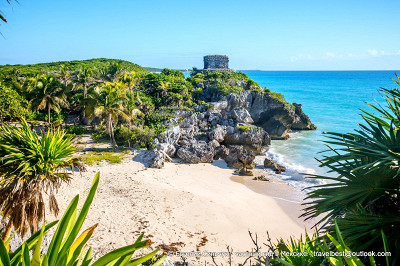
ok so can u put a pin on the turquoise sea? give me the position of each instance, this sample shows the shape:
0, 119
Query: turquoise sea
332, 100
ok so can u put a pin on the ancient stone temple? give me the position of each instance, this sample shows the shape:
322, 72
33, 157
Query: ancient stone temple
216, 62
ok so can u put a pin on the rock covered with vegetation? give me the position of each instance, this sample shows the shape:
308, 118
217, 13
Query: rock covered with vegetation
248, 117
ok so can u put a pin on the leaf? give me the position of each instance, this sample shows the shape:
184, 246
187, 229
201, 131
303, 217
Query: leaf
82, 215
4, 258
36, 254
118, 253
79, 243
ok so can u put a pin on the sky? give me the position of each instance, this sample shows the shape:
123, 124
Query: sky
255, 34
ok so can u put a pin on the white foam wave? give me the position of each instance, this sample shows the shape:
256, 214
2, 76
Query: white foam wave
295, 174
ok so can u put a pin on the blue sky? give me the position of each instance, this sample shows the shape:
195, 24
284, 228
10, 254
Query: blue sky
255, 34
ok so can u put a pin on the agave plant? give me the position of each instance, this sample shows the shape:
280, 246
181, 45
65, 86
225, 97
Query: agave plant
30, 165
67, 248
364, 197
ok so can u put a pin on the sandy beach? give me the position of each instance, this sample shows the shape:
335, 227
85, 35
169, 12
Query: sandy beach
184, 208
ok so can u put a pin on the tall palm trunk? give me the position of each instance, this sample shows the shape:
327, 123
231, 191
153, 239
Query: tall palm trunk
84, 117
48, 112
111, 131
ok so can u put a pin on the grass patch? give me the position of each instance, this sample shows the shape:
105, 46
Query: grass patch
243, 128
96, 157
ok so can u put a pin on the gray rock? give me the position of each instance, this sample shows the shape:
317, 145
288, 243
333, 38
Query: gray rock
221, 152
255, 138
155, 158
217, 134
241, 115
271, 164
273, 115
169, 149
197, 152
304, 122
239, 157
171, 135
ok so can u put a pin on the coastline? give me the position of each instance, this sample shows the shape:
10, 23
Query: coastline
182, 207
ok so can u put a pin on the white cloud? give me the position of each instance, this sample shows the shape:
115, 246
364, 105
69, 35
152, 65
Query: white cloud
373, 52
330, 55
301, 57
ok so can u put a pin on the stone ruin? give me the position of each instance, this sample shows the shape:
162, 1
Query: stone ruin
216, 62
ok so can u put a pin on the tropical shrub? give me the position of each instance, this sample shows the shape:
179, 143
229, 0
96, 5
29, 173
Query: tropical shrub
364, 196
31, 165
76, 130
140, 136
223, 88
67, 248
12, 105
325, 250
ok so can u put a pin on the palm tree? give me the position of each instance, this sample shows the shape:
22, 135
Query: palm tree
47, 93
364, 197
107, 103
132, 109
111, 72
64, 75
85, 77
30, 166
130, 79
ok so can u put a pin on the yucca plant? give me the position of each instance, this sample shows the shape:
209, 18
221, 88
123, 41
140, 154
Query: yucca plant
364, 196
67, 248
30, 165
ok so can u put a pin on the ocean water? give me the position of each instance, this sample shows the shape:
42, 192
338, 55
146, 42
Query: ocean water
332, 100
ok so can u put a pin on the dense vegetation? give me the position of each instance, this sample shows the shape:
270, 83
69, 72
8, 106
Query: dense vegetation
123, 100
31, 70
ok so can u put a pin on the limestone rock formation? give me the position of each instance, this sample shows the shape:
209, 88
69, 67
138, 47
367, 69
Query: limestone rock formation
235, 129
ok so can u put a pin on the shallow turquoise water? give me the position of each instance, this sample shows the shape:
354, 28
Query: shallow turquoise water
332, 100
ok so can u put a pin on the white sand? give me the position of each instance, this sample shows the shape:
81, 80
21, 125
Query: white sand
185, 207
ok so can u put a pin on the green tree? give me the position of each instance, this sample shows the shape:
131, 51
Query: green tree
111, 72
364, 197
47, 92
30, 166
107, 103
12, 105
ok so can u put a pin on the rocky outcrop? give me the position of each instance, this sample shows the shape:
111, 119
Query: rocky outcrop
274, 116
304, 123
198, 152
155, 158
255, 138
234, 129
240, 158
